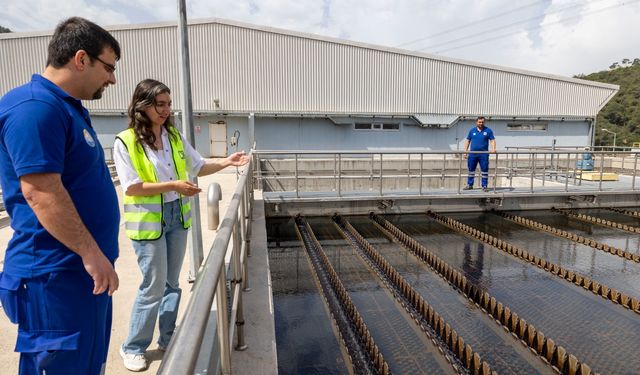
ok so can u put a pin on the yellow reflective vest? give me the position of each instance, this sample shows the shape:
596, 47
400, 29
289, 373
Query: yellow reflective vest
143, 214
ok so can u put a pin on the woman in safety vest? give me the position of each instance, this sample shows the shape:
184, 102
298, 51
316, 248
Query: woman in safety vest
153, 161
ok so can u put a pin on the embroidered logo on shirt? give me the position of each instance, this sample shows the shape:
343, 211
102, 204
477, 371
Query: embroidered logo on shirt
485, 133
474, 133
88, 138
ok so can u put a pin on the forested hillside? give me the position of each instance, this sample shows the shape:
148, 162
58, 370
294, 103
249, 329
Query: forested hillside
622, 114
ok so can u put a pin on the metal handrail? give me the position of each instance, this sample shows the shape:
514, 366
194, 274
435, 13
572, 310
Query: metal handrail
211, 281
577, 148
534, 165
526, 151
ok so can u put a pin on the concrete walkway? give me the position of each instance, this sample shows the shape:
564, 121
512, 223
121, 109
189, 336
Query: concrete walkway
261, 353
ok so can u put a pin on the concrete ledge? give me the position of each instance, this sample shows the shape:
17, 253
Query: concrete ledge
473, 201
597, 176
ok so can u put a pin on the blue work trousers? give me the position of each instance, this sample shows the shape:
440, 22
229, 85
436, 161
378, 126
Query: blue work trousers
472, 163
63, 328
158, 296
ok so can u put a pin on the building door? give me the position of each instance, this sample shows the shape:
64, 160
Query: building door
218, 139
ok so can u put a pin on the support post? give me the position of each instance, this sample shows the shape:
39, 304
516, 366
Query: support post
223, 324
195, 239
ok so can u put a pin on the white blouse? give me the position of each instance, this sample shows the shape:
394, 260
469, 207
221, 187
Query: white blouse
162, 161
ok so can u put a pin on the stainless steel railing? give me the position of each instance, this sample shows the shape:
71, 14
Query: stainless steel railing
573, 148
215, 281
336, 173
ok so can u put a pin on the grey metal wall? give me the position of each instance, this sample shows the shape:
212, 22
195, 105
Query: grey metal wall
322, 134
233, 123
319, 134
564, 133
257, 69
107, 126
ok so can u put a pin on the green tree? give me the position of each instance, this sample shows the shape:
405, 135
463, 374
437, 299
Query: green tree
622, 113
4, 30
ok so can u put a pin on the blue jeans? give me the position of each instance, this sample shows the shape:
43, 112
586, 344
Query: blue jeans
472, 163
159, 294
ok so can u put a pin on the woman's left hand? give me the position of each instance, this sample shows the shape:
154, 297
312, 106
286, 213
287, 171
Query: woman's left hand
238, 159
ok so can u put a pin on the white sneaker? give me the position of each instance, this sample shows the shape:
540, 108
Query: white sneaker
133, 362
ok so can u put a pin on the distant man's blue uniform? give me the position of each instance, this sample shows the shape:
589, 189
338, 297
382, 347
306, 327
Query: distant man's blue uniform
478, 139
63, 328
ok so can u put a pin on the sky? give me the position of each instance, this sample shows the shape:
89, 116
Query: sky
561, 37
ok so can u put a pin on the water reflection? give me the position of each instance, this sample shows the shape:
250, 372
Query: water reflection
614, 237
473, 268
604, 335
611, 270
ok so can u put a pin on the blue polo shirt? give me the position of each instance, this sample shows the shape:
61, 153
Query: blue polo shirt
44, 130
479, 139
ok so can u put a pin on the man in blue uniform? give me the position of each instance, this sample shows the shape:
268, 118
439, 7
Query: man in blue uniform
58, 271
478, 139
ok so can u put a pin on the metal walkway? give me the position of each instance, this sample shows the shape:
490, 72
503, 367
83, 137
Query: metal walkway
358, 182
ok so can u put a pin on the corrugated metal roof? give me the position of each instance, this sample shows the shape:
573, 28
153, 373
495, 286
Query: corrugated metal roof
442, 120
260, 69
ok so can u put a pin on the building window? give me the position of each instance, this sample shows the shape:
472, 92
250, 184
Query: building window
390, 126
376, 126
527, 127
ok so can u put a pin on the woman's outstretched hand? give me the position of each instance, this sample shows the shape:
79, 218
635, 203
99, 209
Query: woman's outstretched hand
238, 159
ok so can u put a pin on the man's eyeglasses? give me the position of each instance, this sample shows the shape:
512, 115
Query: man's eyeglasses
110, 68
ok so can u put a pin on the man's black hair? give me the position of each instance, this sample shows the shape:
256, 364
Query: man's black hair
74, 34
480, 118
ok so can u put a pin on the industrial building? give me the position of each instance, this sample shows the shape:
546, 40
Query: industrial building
294, 91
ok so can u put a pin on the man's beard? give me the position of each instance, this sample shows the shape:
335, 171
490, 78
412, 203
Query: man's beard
98, 94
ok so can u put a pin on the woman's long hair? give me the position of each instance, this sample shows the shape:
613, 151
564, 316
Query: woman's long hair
144, 96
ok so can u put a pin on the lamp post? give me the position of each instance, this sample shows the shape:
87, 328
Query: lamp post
614, 137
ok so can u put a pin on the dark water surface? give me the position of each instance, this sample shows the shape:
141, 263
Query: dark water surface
614, 237
500, 349
404, 346
611, 270
602, 334
305, 340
